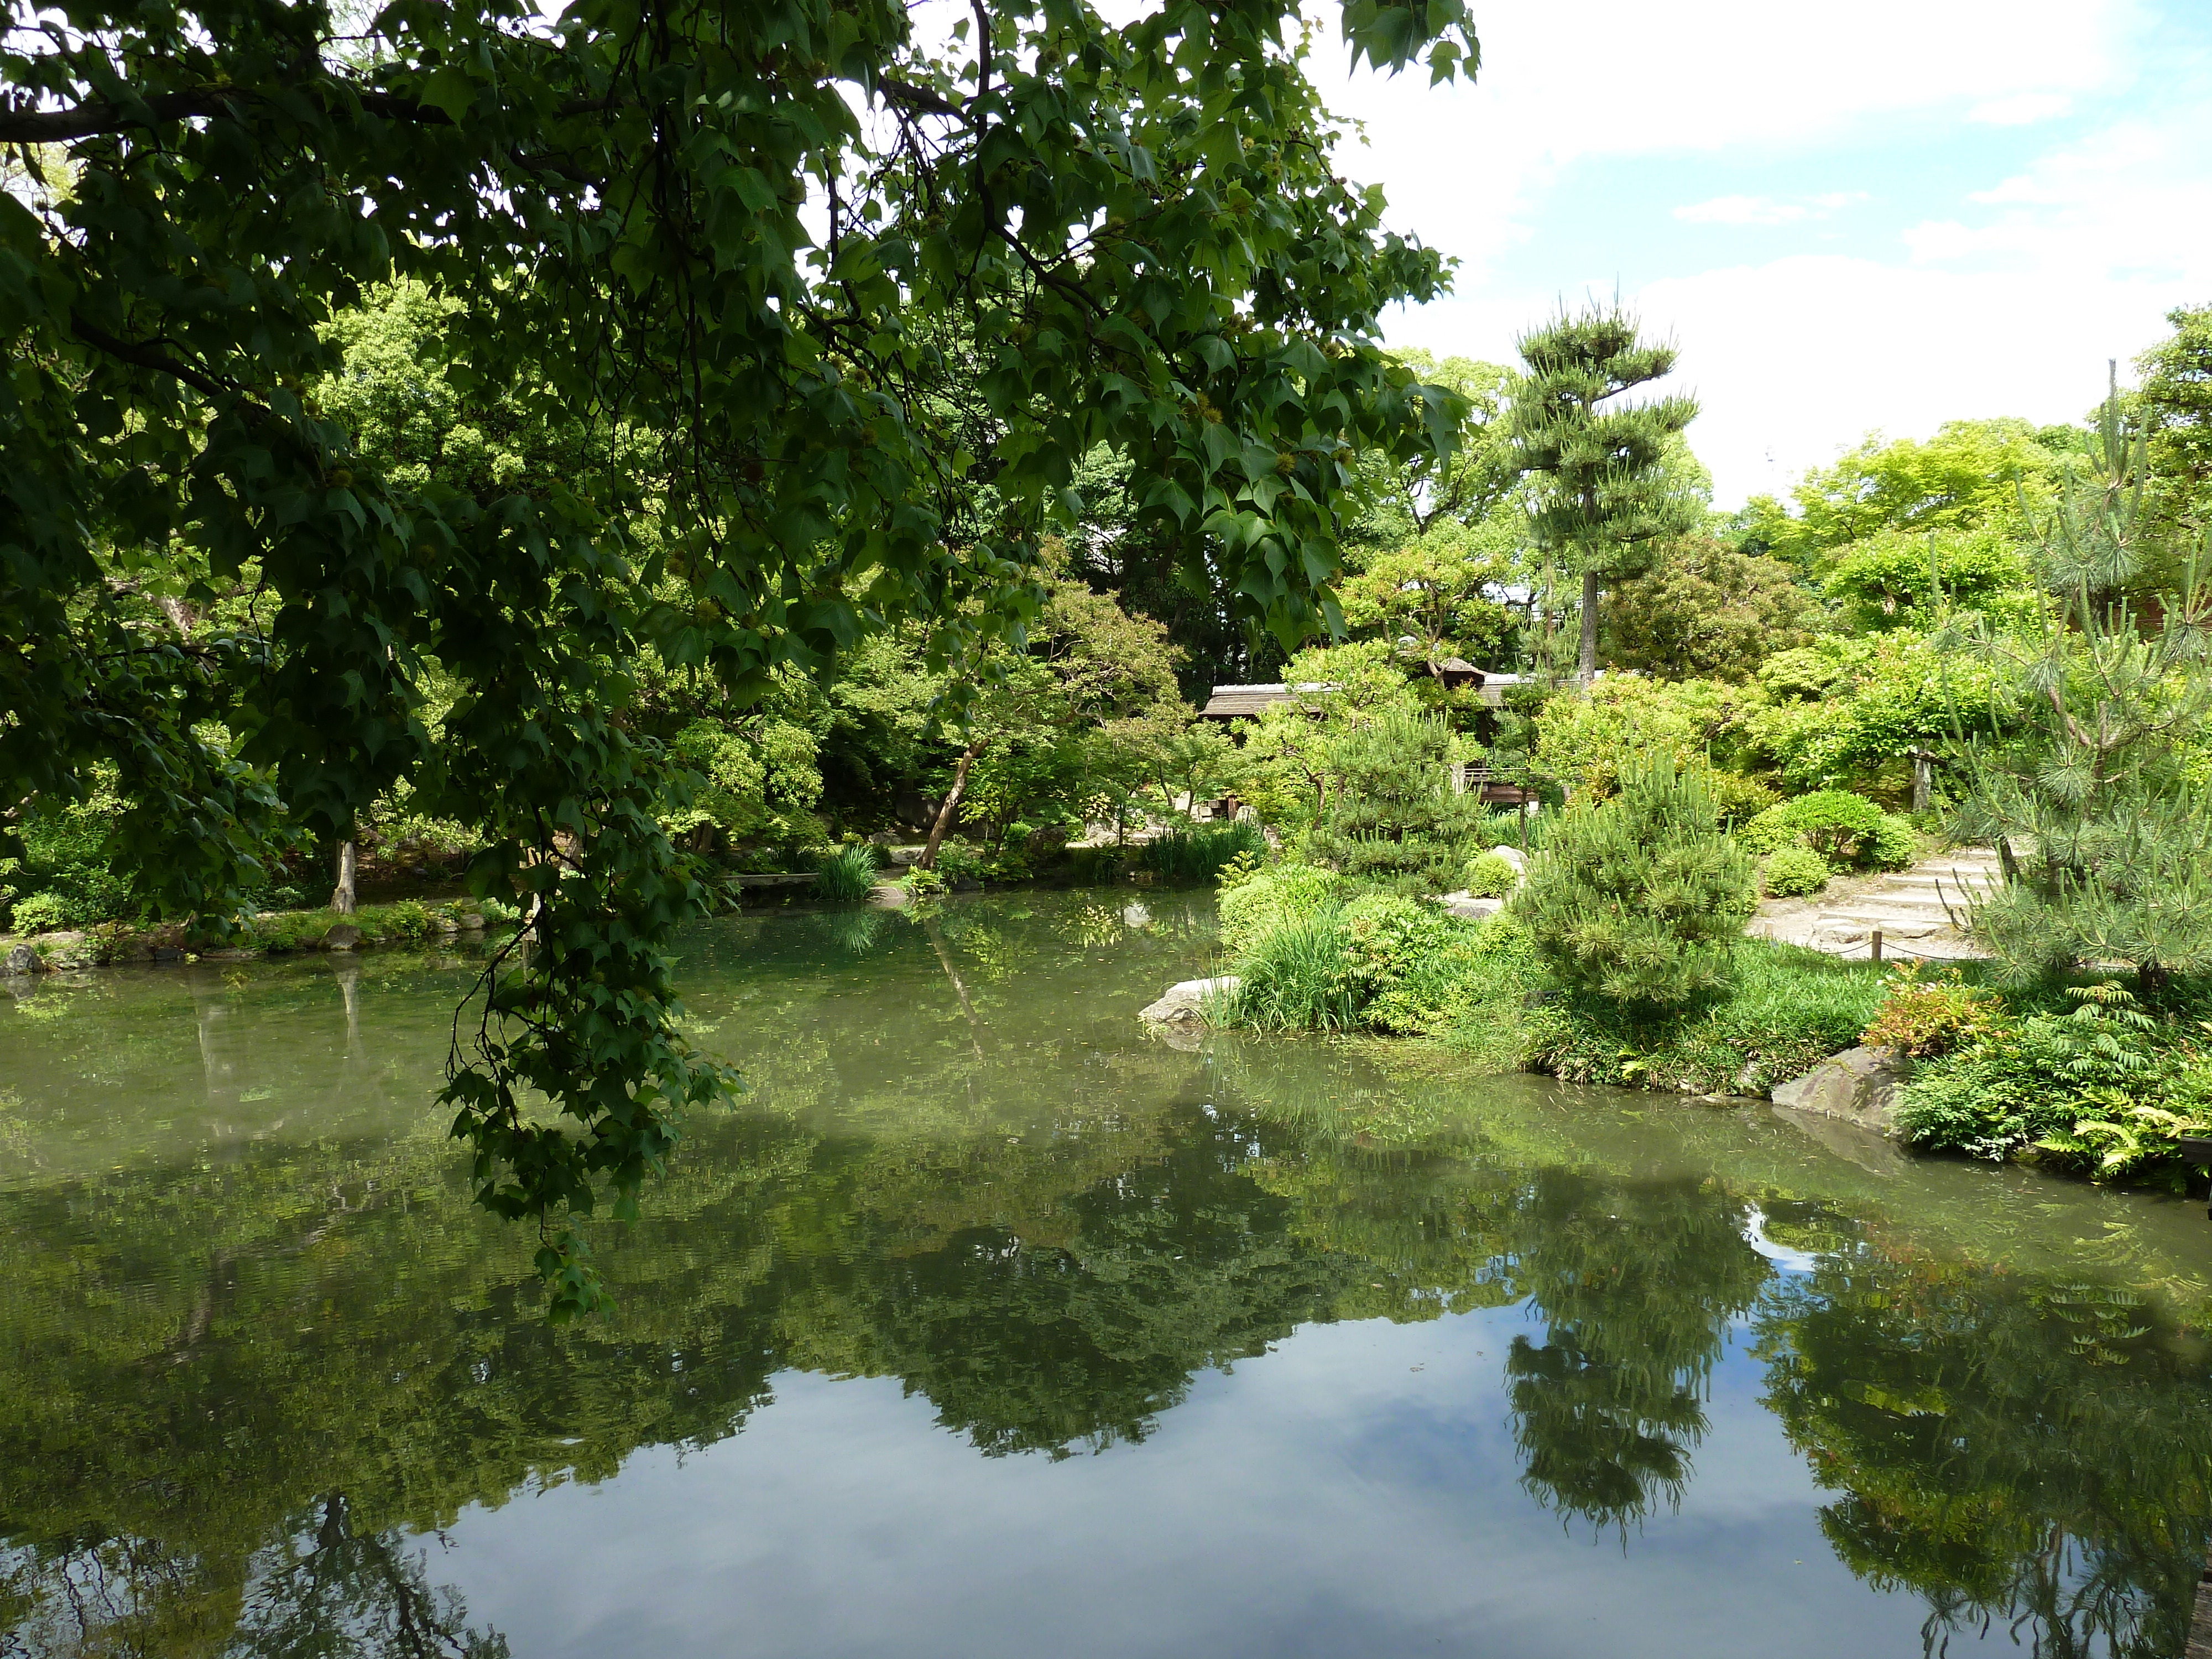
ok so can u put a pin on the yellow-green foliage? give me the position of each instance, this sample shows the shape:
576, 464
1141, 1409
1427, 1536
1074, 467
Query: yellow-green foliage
1582, 737
1261, 899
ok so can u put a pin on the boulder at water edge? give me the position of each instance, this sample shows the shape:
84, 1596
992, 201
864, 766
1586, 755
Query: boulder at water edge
23, 960
1185, 1003
1859, 1085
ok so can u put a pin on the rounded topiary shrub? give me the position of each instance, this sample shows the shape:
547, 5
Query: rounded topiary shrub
1843, 828
1793, 872
1895, 844
1491, 876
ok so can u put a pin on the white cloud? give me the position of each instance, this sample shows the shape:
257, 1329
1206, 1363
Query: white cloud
2007, 301
2021, 109
1468, 164
1766, 209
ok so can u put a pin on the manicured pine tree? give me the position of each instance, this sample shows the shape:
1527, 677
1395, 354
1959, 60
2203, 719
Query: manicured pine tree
1640, 899
1603, 489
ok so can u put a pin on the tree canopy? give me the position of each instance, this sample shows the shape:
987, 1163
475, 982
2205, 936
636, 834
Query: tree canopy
723, 259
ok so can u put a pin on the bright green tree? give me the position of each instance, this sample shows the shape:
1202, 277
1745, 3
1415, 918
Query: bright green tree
1140, 222
1704, 611
1608, 476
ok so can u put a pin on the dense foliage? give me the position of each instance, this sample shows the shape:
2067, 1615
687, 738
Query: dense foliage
1044, 237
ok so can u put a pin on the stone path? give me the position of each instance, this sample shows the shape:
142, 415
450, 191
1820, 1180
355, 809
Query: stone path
1913, 908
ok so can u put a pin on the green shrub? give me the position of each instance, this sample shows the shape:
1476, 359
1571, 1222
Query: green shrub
921, 884
42, 913
1267, 898
1843, 828
1390, 817
1737, 800
1198, 851
1896, 843
1383, 961
1490, 877
1793, 872
846, 875
2104, 1090
957, 862
1925, 1018
1640, 899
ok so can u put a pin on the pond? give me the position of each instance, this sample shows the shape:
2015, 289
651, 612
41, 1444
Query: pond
986, 1324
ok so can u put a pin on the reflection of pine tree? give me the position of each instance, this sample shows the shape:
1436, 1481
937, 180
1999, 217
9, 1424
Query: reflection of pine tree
2036, 1455
1637, 1285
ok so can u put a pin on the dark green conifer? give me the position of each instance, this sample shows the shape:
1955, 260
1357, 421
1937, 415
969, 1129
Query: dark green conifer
1641, 898
1605, 489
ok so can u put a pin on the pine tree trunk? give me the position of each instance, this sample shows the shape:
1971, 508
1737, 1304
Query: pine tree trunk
342, 895
946, 812
1586, 664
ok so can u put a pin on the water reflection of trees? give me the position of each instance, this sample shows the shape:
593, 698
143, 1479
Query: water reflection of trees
1637, 1285
2022, 1454
234, 1394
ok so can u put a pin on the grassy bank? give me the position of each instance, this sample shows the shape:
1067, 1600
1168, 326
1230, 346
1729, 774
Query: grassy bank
2076, 1076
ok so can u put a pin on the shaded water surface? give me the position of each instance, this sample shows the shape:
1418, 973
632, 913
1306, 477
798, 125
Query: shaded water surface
987, 1325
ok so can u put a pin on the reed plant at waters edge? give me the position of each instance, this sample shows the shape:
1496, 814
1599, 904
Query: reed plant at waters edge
1300, 976
846, 875
1196, 852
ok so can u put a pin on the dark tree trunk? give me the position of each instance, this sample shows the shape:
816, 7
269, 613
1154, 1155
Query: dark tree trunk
1586, 664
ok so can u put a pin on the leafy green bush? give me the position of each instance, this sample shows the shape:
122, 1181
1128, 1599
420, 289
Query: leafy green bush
958, 861
1737, 800
65, 878
1639, 899
1839, 825
2104, 1090
846, 875
43, 912
1265, 898
1925, 1018
1198, 851
1896, 843
922, 883
1794, 872
1490, 877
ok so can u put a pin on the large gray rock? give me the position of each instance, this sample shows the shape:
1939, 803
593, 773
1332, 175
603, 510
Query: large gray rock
1185, 1003
1859, 1085
1514, 856
24, 960
344, 937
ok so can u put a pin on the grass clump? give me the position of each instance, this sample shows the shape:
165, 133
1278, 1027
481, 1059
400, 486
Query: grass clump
1198, 851
846, 875
1783, 1011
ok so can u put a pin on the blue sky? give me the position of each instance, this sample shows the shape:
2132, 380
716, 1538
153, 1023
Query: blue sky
1877, 216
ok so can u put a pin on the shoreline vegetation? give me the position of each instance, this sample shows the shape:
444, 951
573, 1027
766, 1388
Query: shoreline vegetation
2074, 1074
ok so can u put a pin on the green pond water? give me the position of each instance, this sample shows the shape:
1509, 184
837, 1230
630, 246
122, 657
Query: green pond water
987, 1325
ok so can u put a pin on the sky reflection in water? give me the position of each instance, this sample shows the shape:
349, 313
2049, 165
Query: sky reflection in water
988, 1325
